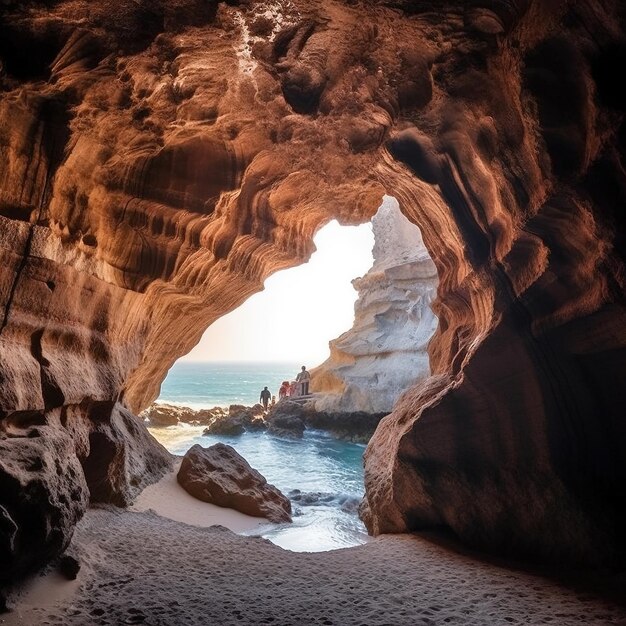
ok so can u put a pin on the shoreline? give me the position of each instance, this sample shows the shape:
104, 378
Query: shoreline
355, 427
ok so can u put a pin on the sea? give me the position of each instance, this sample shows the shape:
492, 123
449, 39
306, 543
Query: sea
322, 476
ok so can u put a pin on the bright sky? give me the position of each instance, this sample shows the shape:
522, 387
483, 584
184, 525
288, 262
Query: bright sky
300, 310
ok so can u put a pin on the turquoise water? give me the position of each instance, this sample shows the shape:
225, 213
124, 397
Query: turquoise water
327, 472
205, 385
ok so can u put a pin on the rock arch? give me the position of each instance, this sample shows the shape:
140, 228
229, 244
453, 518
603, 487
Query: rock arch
163, 167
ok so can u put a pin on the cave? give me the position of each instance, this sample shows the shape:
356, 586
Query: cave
159, 160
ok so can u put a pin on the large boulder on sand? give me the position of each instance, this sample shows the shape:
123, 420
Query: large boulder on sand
219, 475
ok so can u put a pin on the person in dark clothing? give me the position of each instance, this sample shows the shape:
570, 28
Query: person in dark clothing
265, 397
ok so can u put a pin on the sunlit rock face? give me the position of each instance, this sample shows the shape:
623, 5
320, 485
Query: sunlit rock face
385, 351
158, 160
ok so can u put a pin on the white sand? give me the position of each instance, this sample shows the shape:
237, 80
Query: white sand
168, 499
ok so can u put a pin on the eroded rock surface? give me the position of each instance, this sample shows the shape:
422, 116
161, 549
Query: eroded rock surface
385, 351
159, 160
219, 475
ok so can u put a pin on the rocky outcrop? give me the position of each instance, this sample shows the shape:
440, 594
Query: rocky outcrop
41, 481
159, 160
357, 426
161, 414
290, 419
51, 467
385, 351
238, 420
286, 419
219, 475
123, 458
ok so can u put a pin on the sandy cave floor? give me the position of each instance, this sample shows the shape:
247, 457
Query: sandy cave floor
141, 568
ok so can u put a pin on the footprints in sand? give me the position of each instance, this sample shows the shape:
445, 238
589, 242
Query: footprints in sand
158, 572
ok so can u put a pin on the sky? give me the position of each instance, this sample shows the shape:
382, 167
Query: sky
300, 310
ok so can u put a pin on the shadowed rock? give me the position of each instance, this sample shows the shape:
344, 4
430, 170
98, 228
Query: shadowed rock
160, 160
219, 475
43, 494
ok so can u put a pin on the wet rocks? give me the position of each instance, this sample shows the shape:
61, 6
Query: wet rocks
357, 427
238, 420
226, 426
170, 415
285, 419
286, 426
221, 476
164, 415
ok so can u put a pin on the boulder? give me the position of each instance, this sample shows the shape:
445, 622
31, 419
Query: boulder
69, 567
225, 426
286, 426
286, 419
238, 419
221, 476
43, 494
206, 416
163, 415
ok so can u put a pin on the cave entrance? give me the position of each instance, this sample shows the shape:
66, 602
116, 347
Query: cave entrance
308, 451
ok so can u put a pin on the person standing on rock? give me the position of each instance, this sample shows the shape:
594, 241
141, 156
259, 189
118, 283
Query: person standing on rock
265, 397
303, 378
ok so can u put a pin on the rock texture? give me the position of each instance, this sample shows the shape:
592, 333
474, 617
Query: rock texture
170, 415
52, 465
158, 160
385, 351
221, 476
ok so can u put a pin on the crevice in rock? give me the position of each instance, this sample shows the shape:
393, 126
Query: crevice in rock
50, 391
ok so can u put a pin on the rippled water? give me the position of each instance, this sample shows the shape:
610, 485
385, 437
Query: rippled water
327, 472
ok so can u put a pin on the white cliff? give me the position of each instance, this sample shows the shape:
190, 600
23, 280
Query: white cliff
385, 351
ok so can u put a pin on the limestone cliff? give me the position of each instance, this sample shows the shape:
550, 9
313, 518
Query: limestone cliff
158, 160
384, 352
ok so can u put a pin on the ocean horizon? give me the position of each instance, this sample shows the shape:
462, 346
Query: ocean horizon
206, 384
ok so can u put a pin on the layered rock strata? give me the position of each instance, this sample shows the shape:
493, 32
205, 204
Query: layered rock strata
385, 351
159, 160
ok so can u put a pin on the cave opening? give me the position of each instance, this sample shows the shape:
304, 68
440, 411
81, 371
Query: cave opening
368, 290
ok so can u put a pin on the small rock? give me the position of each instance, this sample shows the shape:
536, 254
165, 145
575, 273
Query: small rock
69, 567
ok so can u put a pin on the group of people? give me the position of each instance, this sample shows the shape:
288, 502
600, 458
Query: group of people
298, 387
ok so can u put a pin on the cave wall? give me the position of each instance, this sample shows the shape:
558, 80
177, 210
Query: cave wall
158, 160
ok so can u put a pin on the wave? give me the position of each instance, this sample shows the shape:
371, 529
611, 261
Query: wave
348, 503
